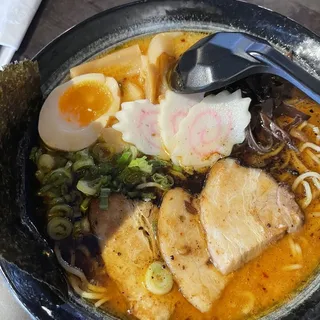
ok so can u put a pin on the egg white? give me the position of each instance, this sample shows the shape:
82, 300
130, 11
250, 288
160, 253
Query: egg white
57, 133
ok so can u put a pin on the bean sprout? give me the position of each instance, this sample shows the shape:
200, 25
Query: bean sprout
101, 302
286, 162
316, 130
273, 153
150, 185
295, 248
70, 269
298, 250
310, 174
85, 294
92, 295
292, 246
298, 135
309, 145
313, 156
292, 267
98, 292
302, 125
308, 198
97, 289
250, 304
297, 163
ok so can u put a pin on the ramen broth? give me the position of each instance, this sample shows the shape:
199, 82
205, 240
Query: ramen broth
261, 283
278, 273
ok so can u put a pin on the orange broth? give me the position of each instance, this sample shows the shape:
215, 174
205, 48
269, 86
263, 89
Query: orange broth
264, 279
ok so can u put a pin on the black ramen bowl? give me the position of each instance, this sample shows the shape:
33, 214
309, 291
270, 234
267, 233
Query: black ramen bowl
110, 28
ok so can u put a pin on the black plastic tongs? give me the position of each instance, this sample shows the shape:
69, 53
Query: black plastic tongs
225, 57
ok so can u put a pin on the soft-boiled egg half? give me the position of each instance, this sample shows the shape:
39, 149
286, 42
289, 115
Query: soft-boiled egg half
75, 113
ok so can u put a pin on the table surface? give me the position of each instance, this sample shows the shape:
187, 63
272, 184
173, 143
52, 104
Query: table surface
56, 16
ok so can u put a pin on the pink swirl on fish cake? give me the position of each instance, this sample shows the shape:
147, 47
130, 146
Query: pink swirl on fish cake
176, 119
148, 122
204, 140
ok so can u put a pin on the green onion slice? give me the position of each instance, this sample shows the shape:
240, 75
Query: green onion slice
82, 164
85, 204
59, 228
131, 176
60, 210
177, 174
158, 279
81, 155
102, 152
150, 185
57, 200
104, 197
46, 162
39, 175
125, 158
164, 180
134, 152
148, 196
91, 188
141, 163
58, 176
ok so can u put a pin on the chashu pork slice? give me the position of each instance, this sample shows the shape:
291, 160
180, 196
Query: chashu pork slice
243, 210
127, 248
184, 249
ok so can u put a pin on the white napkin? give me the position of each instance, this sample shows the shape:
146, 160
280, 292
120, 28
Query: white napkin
15, 18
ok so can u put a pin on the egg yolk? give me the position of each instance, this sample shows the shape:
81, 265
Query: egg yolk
85, 102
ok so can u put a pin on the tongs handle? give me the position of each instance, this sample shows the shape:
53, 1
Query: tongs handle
280, 65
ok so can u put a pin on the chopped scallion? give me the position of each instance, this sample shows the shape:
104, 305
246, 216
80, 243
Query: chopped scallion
176, 168
58, 177
39, 175
148, 196
142, 164
177, 174
124, 158
89, 188
131, 176
82, 164
158, 279
60, 210
85, 204
59, 228
102, 152
46, 162
104, 197
164, 180
134, 152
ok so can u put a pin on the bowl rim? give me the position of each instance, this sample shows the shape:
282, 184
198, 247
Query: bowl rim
96, 16
74, 29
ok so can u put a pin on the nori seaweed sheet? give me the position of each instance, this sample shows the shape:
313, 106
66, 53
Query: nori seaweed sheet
20, 242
